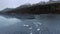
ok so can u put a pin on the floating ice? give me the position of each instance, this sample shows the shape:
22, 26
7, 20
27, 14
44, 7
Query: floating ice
35, 24
38, 29
30, 28
31, 33
39, 23
26, 25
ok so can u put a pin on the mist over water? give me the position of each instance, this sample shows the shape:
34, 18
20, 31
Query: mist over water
42, 24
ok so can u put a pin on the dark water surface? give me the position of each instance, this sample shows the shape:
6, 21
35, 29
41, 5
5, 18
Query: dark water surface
42, 24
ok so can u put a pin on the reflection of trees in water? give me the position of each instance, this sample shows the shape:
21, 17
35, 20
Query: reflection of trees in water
49, 16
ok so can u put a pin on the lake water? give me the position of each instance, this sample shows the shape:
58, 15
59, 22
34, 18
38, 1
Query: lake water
42, 24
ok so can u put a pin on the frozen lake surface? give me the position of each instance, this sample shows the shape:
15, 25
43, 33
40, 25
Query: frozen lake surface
42, 24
